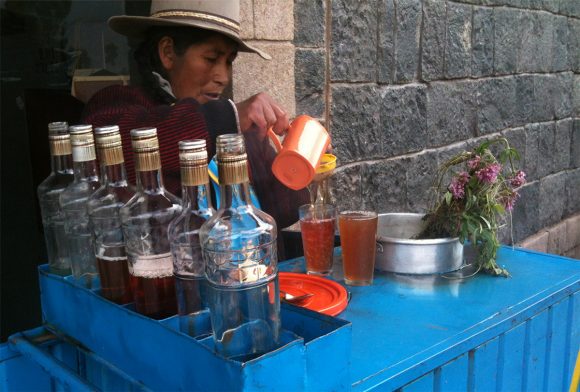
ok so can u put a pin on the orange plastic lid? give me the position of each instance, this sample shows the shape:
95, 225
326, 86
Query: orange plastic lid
329, 297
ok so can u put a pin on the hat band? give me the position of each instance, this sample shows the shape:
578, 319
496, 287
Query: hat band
198, 15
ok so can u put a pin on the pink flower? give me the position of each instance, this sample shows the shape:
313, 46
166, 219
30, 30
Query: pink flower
457, 186
472, 164
510, 201
518, 180
489, 173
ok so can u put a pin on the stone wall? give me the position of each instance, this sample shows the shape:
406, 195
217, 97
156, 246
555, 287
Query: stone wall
402, 84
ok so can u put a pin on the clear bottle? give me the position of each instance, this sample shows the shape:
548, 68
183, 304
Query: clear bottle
73, 202
188, 266
103, 208
145, 220
49, 191
239, 249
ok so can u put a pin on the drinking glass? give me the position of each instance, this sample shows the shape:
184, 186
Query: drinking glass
317, 224
358, 232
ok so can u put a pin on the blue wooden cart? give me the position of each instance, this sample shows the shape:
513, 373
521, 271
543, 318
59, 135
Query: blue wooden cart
407, 333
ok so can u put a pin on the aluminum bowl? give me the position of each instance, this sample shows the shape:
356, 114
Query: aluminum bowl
398, 252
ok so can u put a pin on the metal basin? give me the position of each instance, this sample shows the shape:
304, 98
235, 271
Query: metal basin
397, 252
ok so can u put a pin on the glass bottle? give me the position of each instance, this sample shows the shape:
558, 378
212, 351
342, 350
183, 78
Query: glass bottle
145, 219
103, 208
239, 249
73, 202
188, 266
49, 190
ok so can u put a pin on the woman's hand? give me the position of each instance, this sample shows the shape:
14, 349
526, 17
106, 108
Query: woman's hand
260, 112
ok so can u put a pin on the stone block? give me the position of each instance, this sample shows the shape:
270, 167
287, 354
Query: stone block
552, 199
309, 68
562, 144
403, 119
421, 175
525, 102
309, 23
274, 20
538, 242
386, 52
247, 19
551, 5
576, 95
532, 152
574, 44
347, 181
383, 185
482, 51
560, 44
355, 124
544, 92
572, 192
496, 107
446, 125
433, 37
536, 42
557, 239
525, 214
458, 42
507, 38
354, 41
252, 74
575, 145
576, 253
408, 19
572, 232
446, 153
563, 92
570, 8
546, 149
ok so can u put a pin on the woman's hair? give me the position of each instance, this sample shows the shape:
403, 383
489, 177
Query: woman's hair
147, 55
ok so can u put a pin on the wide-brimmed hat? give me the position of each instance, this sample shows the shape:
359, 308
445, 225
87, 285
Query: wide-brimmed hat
222, 16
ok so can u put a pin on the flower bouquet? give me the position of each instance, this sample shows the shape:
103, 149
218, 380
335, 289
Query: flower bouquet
474, 204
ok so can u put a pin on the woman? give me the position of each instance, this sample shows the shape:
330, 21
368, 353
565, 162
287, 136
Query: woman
185, 63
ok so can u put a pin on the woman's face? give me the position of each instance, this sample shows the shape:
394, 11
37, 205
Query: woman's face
204, 70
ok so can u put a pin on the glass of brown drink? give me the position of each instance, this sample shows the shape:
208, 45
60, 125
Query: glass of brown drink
358, 231
317, 224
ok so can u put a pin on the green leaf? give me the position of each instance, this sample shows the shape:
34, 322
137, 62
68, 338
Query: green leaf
448, 197
486, 222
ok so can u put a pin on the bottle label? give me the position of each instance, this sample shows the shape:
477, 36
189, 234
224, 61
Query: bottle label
151, 266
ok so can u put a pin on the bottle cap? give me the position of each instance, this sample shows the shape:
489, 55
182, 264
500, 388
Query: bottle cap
82, 142
193, 162
146, 149
59, 138
109, 145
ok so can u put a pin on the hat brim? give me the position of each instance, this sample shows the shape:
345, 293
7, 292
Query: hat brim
137, 26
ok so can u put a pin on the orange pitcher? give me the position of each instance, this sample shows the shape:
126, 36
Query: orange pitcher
299, 155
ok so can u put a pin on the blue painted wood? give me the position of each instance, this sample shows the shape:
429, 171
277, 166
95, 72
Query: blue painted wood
512, 345
537, 353
574, 336
554, 380
424, 383
453, 376
450, 317
484, 368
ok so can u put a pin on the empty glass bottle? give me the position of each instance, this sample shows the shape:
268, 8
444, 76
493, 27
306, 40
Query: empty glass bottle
145, 219
49, 191
188, 266
103, 207
73, 202
239, 249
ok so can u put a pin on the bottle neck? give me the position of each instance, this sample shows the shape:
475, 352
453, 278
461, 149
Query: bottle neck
196, 197
149, 180
114, 174
85, 169
61, 164
235, 195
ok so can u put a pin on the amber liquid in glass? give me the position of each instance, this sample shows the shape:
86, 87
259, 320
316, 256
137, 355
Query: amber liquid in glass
114, 275
154, 297
358, 231
318, 243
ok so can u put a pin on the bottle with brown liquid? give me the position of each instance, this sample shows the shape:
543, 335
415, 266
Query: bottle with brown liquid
145, 219
104, 218
49, 191
188, 265
73, 202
